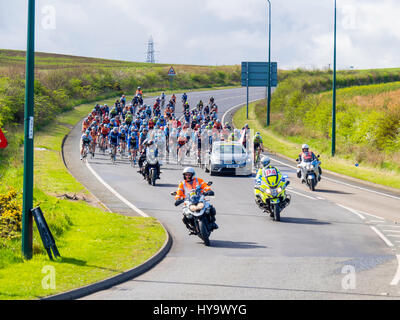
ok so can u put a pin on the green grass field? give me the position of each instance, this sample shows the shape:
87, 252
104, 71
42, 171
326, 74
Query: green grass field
290, 146
94, 244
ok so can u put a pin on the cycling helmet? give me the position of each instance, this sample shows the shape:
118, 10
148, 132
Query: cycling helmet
88, 132
187, 171
265, 161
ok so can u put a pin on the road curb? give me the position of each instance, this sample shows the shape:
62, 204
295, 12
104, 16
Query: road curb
121, 278
360, 182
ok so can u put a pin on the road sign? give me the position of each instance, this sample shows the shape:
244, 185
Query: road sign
255, 74
172, 72
3, 140
45, 233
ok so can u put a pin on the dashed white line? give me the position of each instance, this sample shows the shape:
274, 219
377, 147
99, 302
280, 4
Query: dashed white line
130, 205
386, 240
353, 211
396, 278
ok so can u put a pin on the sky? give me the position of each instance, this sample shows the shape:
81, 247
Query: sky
212, 32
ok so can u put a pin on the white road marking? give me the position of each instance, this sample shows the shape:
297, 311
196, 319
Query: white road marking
320, 198
396, 278
388, 226
244, 103
364, 189
300, 194
374, 221
395, 231
329, 179
130, 205
386, 240
368, 214
352, 211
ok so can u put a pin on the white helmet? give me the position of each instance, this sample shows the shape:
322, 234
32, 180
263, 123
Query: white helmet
265, 161
189, 170
305, 146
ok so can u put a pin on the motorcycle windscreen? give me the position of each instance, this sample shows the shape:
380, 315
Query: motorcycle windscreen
272, 177
151, 156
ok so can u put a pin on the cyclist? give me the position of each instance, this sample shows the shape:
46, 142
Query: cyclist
184, 98
133, 144
123, 139
163, 97
86, 141
114, 141
258, 146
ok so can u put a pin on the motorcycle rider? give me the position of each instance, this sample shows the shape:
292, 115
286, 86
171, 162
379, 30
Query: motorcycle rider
143, 156
189, 183
266, 163
306, 154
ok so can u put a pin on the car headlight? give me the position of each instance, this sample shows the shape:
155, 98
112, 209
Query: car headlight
197, 207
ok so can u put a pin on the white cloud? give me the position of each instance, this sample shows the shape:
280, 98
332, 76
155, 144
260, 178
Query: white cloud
214, 31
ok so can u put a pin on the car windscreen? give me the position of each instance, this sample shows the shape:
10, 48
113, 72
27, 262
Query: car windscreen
230, 149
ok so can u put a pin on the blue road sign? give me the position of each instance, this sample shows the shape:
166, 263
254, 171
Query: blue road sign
255, 74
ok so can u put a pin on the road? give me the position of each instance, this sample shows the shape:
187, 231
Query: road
341, 242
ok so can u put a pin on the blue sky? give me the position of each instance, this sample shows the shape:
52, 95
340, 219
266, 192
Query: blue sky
210, 32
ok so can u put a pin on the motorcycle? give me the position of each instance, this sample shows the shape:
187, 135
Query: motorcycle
150, 166
309, 172
270, 194
197, 211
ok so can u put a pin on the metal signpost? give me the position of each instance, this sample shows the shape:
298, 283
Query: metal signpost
171, 74
256, 74
27, 202
334, 92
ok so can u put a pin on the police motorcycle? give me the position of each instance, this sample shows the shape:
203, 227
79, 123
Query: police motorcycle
270, 192
198, 213
150, 166
309, 171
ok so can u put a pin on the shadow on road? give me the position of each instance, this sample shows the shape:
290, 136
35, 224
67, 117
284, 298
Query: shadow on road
235, 245
167, 185
331, 191
303, 221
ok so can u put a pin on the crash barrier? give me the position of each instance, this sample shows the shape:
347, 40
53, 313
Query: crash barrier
45, 233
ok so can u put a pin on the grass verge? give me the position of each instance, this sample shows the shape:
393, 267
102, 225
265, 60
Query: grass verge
291, 148
94, 244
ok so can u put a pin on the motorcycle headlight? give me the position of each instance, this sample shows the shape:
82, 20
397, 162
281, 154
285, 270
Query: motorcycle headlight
198, 207
279, 190
310, 167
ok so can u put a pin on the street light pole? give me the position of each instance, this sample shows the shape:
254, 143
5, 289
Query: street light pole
27, 201
269, 68
334, 92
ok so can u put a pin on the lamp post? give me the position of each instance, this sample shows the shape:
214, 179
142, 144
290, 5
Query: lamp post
334, 92
27, 200
269, 68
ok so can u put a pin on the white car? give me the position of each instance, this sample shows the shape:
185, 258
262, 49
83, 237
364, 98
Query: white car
230, 158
